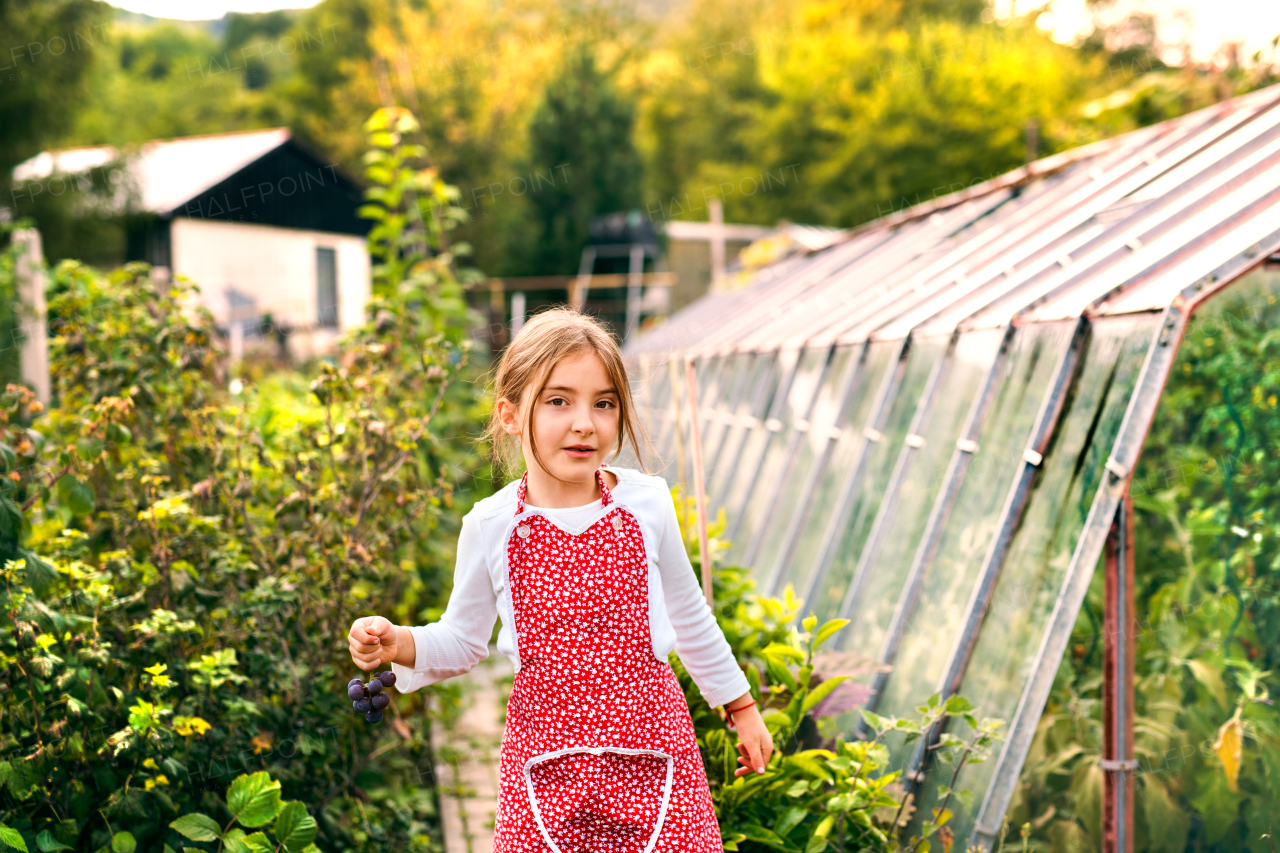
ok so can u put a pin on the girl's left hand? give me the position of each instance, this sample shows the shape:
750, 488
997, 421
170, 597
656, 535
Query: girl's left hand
755, 744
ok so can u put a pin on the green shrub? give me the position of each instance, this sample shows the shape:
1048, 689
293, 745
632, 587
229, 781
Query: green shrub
180, 566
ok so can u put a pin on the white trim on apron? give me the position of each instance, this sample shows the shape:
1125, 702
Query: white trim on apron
600, 750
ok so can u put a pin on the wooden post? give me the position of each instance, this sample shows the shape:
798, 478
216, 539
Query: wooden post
699, 487
1119, 626
34, 354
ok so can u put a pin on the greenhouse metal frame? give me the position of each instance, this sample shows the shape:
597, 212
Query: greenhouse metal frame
929, 428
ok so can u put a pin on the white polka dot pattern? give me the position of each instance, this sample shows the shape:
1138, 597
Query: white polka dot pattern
588, 678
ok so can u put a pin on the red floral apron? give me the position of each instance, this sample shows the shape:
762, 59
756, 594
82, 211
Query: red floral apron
599, 752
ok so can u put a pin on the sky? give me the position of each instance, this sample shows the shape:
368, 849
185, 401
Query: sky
1203, 24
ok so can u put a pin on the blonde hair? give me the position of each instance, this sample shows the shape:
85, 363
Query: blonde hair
526, 365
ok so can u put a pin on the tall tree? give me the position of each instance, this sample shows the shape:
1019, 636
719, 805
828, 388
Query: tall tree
49, 46
580, 136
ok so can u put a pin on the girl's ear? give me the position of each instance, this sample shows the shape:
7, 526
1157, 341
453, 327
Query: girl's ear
509, 417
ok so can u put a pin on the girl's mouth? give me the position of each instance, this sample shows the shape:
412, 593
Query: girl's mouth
580, 451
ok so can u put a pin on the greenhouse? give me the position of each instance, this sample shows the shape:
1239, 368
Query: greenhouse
930, 428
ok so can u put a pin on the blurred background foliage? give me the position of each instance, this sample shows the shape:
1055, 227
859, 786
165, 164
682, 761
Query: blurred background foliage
545, 114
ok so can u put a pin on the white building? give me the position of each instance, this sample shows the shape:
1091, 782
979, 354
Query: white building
264, 226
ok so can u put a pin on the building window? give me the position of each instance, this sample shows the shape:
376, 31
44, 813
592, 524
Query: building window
327, 287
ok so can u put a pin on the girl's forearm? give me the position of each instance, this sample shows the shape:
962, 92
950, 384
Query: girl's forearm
741, 702
406, 649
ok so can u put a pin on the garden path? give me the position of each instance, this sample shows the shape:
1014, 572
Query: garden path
466, 749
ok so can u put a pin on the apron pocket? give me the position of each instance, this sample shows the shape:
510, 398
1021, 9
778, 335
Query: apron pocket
595, 799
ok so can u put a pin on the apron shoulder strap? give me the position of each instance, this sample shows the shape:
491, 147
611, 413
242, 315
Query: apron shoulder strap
606, 497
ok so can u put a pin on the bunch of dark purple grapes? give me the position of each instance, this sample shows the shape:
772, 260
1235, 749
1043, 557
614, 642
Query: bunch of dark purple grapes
370, 699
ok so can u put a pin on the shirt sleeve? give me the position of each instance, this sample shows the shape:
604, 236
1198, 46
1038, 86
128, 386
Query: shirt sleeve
460, 640
700, 643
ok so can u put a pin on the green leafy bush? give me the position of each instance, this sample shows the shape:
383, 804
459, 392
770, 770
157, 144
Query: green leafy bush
180, 566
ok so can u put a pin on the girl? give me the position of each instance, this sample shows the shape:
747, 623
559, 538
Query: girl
586, 567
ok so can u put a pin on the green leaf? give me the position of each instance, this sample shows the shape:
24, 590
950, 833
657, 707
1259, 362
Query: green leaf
809, 622
765, 836
824, 828
12, 838
957, 705
233, 841
1209, 676
197, 827
825, 632
821, 692
75, 495
46, 842
798, 789
294, 828
254, 799
782, 650
123, 842
259, 843
816, 845
875, 722
779, 673
790, 820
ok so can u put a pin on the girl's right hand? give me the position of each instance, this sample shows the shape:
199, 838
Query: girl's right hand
372, 642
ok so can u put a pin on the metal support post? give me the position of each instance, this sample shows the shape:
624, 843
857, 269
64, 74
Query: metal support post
582, 286
850, 385
635, 276
844, 503
1011, 513
1117, 687
788, 362
913, 441
931, 538
756, 395
740, 385
799, 430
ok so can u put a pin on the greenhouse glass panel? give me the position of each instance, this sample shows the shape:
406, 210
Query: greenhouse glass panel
660, 397
856, 408
1031, 576
810, 448
707, 373
749, 419
948, 582
761, 497
732, 387
829, 592
671, 447
974, 354
750, 459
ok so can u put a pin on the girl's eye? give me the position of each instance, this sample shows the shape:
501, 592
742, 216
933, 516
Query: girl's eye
558, 401
605, 404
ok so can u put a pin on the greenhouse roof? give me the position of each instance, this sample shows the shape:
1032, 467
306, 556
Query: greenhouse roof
929, 427
1111, 228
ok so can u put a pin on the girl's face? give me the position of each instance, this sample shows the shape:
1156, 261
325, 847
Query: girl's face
575, 420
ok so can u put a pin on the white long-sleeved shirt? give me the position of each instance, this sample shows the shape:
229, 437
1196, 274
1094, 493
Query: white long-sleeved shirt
679, 617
